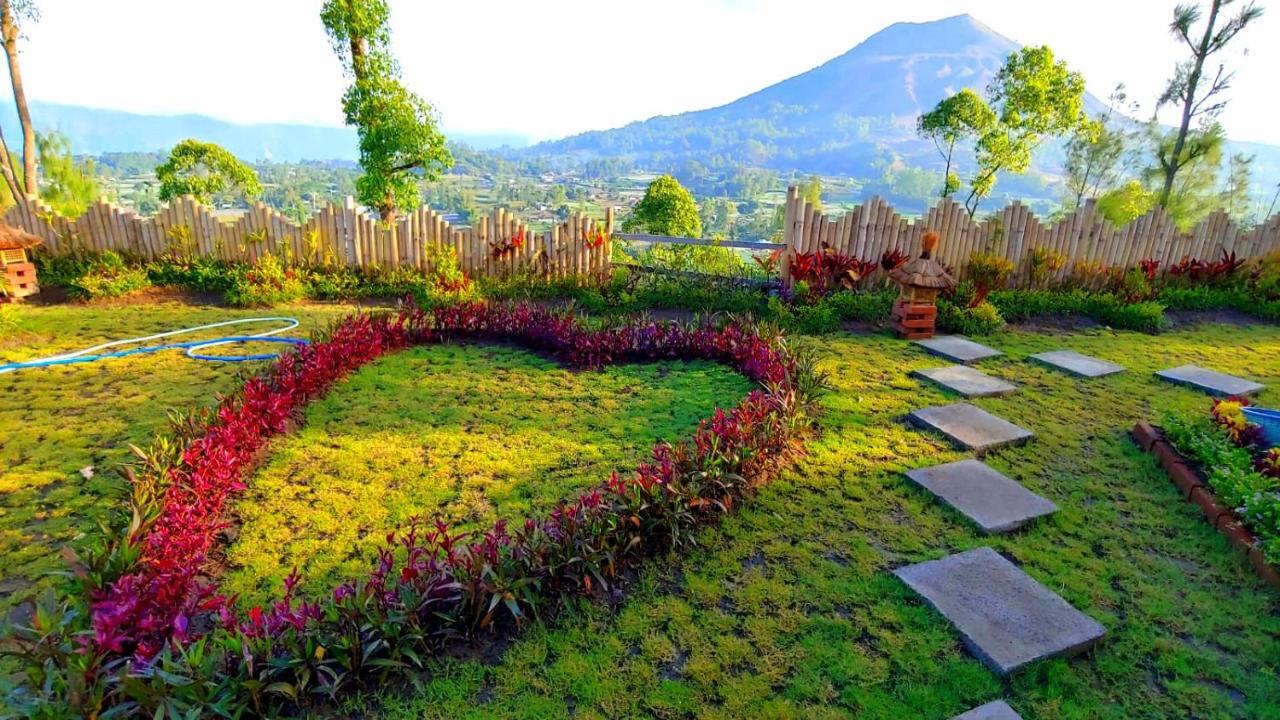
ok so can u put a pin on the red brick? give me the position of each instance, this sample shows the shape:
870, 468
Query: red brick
1144, 434
1265, 570
1185, 479
1237, 534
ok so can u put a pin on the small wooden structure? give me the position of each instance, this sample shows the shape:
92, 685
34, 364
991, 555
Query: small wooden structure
915, 312
19, 278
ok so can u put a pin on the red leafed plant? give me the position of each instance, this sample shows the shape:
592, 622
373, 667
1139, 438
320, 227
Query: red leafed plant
1149, 267
508, 247
596, 240
825, 270
769, 262
150, 602
893, 259
1206, 270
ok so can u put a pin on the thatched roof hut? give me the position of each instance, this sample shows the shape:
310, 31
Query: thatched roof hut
924, 272
12, 238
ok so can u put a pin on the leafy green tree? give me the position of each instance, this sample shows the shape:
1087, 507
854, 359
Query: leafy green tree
1236, 200
400, 142
961, 117
204, 170
1094, 153
1127, 202
811, 191
1036, 97
1186, 145
69, 187
667, 208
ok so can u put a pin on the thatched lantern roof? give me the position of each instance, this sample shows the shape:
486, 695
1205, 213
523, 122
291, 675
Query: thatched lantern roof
12, 238
924, 272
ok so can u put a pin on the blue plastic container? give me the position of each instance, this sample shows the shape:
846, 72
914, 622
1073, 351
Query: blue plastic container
1267, 419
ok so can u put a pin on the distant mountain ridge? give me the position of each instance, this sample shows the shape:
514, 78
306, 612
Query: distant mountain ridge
94, 131
853, 115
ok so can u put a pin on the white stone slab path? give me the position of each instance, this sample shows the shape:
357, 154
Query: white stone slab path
958, 348
995, 503
1004, 616
1210, 381
998, 710
966, 381
1078, 364
969, 427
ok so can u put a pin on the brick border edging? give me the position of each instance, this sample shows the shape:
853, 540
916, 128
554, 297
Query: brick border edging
1194, 490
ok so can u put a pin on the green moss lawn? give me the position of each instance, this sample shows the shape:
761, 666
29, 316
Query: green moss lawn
788, 610
464, 432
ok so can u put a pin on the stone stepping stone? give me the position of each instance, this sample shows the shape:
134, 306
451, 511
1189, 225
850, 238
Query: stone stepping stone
1210, 381
995, 503
958, 348
970, 428
1077, 364
966, 381
1004, 616
998, 710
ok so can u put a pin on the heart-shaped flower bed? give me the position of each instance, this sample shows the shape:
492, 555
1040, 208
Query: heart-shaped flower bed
150, 599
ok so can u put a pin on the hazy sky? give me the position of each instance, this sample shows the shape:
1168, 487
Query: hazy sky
548, 68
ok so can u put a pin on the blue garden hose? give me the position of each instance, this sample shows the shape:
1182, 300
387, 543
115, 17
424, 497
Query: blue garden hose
192, 348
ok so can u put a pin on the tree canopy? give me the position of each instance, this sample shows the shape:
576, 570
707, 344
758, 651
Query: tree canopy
203, 170
399, 138
1036, 96
667, 208
69, 187
960, 117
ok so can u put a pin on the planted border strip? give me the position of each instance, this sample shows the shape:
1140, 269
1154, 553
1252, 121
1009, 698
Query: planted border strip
1181, 471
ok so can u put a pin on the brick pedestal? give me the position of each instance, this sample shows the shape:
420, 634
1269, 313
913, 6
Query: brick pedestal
914, 321
20, 279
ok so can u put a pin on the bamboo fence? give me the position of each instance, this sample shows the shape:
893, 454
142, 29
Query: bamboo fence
1083, 237
496, 245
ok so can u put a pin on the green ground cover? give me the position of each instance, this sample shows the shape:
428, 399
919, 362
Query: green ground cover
468, 433
788, 609
56, 422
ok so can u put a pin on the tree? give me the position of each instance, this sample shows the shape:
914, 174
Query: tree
1037, 97
1093, 154
203, 170
1236, 201
1126, 203
399, 139
11, 12
1184, 88
811, 191
954, 119
69, 187
666, 209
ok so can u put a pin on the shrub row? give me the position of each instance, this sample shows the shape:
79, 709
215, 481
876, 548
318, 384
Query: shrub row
159, 639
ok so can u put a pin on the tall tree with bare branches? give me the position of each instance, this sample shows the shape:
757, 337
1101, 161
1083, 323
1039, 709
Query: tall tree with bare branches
1187, 86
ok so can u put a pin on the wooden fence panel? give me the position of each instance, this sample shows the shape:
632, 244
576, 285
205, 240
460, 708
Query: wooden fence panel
1015, 233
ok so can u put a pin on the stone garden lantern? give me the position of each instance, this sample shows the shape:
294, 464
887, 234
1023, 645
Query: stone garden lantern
916, 310
19, 279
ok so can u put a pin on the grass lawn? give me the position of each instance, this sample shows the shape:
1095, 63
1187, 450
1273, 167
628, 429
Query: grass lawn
788, 610
465, 432
56, 421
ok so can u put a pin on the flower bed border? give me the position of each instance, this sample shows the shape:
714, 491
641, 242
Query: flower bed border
1194, 490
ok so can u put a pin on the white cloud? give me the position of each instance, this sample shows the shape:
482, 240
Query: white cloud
552, 67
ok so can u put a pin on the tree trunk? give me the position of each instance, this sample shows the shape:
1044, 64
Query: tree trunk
9, 34
1188, 104
946, 174
6, 169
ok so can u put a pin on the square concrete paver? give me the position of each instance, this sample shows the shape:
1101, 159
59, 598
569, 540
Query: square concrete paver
969, 427
998, 710
958, 348
1005, 617
1210, 381
995, 503
1077, 364
966, 381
